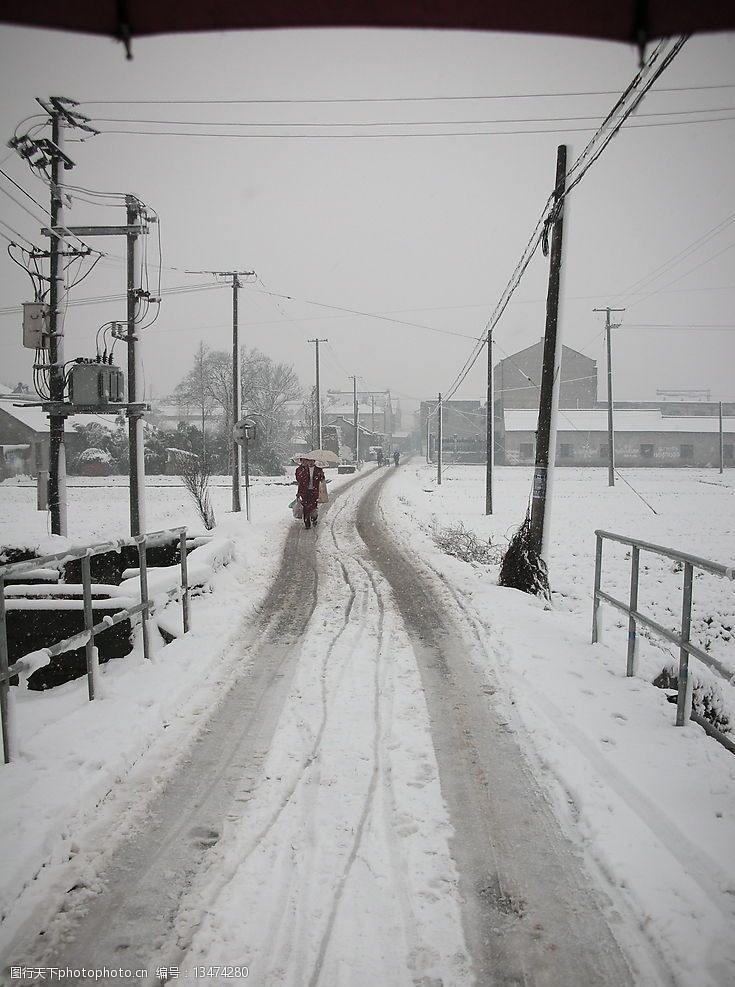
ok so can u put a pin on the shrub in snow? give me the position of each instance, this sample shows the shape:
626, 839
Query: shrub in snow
195, 476
460, 542
94, 455
707, 697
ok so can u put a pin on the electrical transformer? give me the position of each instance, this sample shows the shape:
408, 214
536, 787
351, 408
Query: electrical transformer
93, 383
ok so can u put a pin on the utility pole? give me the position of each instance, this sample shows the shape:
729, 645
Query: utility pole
722, 446
390, 421
136, 438
236, 398
235, 451
490, 438
318, 394
439, 442
355, 413
57, 295
546, 431
428, 435
610, 430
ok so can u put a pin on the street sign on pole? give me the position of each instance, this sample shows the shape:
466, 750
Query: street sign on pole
243, 431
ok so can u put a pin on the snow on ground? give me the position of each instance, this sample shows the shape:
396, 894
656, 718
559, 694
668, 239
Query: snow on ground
653, 805
72, 753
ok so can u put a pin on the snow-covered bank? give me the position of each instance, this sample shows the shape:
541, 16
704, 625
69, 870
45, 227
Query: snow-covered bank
652, 805
72, 753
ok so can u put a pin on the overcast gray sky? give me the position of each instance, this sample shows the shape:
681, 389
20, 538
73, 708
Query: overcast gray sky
425, 229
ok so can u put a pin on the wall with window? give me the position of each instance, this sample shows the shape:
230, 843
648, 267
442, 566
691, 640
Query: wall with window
631, 449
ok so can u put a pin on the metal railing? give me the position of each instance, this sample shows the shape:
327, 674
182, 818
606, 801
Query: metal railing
682, 640
86, 637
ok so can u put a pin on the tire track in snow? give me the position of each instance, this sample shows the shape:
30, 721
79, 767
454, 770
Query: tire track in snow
532, 915
367, 807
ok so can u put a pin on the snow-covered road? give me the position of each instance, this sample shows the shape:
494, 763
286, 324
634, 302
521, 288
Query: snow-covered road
355, 811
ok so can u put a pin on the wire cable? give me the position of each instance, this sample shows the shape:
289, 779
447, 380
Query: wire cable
387, 99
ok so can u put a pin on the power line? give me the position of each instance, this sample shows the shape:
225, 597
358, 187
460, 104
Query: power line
612, 124
400, 123
385, 99
100, 299
394, 136
367, 315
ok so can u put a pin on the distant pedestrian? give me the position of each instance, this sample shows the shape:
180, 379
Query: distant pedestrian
379, 455
308, 478
397, 457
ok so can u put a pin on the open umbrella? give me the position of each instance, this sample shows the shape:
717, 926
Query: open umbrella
635, 21
324, 457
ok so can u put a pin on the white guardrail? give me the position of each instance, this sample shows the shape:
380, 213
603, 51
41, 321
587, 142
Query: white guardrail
682, 640
86, 637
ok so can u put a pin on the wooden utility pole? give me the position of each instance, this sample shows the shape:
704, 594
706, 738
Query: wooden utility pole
610, 429
490, 436
439, 441
546, 431
318, 394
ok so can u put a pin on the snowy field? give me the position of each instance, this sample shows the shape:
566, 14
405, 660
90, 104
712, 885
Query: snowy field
652, 806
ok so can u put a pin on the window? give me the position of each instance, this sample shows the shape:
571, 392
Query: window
526, 450
566, 450
646, 451
686, 452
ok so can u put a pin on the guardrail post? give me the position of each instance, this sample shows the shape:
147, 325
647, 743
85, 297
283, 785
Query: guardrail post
4, 681
185, 615
143, 568
631, 667
90, 649
684, 697
595, 598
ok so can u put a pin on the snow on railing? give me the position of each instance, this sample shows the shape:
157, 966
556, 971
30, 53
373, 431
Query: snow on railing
684, 711
86, 637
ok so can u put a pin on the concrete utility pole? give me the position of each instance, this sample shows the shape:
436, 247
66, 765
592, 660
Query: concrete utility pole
610, 430
57, 296
428, 435
722, 445
318, 394
390, 421
356, 416
235, 451
136, 438
439, 442
490, 439
549, 400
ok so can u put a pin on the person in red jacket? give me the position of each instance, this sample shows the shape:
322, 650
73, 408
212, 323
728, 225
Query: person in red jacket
308, 478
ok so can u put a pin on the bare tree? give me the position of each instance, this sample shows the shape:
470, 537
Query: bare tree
194, 391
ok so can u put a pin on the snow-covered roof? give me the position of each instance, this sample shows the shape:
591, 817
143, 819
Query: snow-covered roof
37, 419
625, 420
